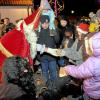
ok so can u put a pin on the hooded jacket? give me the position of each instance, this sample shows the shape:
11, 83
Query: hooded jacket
89, 70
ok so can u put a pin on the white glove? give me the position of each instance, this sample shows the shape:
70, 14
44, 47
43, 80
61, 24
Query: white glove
40, 48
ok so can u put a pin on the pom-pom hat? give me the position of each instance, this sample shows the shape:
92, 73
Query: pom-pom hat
83, 28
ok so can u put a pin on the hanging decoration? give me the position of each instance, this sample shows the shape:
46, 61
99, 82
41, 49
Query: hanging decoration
57, 5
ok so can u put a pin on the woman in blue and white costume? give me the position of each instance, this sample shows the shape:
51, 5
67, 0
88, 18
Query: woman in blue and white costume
48, 37
47, 10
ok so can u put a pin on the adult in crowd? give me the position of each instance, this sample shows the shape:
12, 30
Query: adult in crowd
2, 28
64, 23
8, 25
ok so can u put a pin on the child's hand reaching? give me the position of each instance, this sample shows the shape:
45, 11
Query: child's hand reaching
62, 72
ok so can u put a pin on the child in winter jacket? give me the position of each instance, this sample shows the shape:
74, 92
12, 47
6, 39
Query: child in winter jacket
89, 71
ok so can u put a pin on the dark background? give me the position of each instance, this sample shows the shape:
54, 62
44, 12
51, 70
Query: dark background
81, 7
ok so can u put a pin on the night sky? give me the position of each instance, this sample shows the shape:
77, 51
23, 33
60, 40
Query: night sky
81, 7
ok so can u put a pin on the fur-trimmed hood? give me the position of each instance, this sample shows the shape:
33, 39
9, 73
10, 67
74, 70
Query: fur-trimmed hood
96, 44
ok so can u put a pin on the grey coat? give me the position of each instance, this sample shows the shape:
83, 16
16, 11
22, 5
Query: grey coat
10, 91
73, 54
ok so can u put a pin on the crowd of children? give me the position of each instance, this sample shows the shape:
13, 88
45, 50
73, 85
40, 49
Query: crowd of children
62, 48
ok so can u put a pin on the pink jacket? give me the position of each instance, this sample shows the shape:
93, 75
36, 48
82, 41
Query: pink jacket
89, 70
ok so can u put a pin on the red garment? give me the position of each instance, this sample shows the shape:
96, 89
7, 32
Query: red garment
16, 43
34, 17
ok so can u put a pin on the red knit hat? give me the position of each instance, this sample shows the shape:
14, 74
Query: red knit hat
83, 28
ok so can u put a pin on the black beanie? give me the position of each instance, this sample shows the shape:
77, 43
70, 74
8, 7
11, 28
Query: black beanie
69, 29
63, 17
44, 18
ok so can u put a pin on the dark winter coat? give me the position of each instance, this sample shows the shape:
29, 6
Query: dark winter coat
49, 38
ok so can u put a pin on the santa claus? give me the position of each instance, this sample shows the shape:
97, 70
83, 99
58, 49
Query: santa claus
22, 41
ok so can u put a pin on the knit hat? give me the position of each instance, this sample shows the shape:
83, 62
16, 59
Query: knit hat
83, 28
63, 17
44, 18
69, 29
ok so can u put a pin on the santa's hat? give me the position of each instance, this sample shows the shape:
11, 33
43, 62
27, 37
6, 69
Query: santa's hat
83, 28
31, 21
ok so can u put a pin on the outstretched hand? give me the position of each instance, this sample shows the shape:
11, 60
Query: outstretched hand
55, 52
62, 72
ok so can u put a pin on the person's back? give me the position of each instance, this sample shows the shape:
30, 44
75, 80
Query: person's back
18, 82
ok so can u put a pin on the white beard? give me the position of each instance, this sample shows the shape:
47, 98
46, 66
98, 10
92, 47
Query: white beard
31, 38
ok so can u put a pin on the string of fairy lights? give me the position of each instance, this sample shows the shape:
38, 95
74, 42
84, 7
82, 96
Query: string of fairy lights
57, 5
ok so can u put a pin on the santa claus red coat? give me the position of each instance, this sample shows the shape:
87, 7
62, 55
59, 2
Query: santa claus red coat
15, 42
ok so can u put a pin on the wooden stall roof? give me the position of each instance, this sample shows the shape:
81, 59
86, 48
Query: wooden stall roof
15, 2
